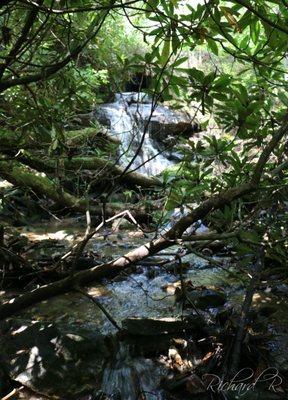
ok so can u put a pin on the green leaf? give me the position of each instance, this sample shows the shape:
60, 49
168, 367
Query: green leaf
242, 95
179, 61
178, 80
222, 81
212, 45
244, 42
245, 20
165, 52
284, 98
255, 31
197, 74
152, 4
175, 43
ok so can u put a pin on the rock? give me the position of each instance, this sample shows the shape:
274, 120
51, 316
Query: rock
176, 288
195, 385
148, 348
281, 289
175, 356
160, 326
277, 347
101, 116
205, 298
223, 316
54, 359
133, 97
166, 127
138, 82
161, 130
136, 234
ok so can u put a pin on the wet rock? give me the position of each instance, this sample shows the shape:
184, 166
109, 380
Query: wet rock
166, 127
278, 352
160, 326
161, 130
205, 298
176, 288
134, 97
136, 234
54, 359
101, 116
175, 359
281, 289
148, 348
82, 263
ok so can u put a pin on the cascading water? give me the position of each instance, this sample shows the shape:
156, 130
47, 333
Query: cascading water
129, 118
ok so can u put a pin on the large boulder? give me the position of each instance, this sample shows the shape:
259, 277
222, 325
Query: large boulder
161, 130
54, 359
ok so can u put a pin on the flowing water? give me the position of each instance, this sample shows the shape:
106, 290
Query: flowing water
128, 376
129, 118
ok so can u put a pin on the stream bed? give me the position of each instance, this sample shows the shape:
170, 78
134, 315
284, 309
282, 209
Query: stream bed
66, 346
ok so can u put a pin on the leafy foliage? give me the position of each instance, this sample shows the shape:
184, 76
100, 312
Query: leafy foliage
61, 59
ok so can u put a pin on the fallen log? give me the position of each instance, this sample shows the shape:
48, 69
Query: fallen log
112, 170
107, 170
14, 141
98, 134
22, 176
154, 246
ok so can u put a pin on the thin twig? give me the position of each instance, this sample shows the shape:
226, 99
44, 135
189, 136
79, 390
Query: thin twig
98, 304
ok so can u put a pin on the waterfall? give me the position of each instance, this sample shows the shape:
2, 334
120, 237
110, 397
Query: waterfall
129, 117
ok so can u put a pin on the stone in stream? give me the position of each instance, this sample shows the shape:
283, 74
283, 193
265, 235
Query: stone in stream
54, 359
162, 128
281, 289
161, 326
201, 297
206, 298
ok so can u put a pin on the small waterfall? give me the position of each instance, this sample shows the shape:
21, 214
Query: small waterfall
128, 117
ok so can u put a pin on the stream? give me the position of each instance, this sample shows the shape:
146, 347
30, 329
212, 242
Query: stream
66, 347
134, 365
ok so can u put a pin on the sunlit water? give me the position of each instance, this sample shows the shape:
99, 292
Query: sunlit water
129, 123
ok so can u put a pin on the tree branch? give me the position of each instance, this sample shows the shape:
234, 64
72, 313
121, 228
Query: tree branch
148, 249
259, 14
51, 70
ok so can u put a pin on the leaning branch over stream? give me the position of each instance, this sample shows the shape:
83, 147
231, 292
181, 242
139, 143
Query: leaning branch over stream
20, 175
154, 246
103, 169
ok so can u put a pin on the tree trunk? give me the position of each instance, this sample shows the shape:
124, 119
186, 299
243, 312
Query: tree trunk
14, 141
22, 176
107, 170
